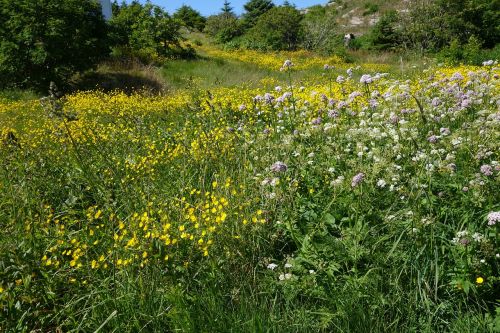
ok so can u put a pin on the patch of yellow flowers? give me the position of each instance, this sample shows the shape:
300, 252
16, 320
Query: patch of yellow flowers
151, 132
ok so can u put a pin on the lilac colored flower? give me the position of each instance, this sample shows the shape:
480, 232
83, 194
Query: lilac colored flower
354, 94
394, 119
432, 139
405, 95
279, 167
356, 180
407, 111
266, 131
331, 102
287, 94
295, 132
366, 79
316, 121
452, 167
327, 67
493, 218
340, 79
373, 103
341, 105
323, 98
268, 98
457, 77
444, 131
333, 114
465, 103
242, 107
486, 170
464, 241
349, 72
230, 129
387, 95
287, 64
258, 98
436, 102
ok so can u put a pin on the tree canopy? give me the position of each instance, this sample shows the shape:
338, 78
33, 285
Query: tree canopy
49, 40
190, 18
254, 9
278, 29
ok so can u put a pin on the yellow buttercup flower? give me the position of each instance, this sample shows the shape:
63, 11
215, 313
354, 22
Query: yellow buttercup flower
479, 280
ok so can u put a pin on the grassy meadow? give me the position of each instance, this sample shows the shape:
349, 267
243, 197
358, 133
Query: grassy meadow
256, 193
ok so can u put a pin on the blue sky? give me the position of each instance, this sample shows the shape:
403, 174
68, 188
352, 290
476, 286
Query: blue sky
208, 7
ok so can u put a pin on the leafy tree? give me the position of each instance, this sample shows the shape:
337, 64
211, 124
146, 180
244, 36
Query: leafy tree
424, 27
227, 9
49, 40
277, 29
385, 34
319, 27
467, 18
254, 9
146, 29
431, 25
223, 27
125, 19
190, 18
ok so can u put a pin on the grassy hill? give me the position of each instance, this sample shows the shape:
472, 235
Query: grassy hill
358, 16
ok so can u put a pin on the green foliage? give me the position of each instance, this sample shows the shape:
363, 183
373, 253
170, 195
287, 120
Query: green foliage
432, 25
385, 35
49, 40
379, 256
254, 9
370, 8
471, 53
465, 18
277, 29
147, 31
227, 8
223, 27
319, 27
190, 18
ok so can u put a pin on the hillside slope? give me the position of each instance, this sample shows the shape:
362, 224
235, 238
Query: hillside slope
358, 16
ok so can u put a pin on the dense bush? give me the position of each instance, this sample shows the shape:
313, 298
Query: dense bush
190, 18
49, 40
253, 10
319, 28
146, 29
223, 27
432, 25
386, 35
471, 53
277, 29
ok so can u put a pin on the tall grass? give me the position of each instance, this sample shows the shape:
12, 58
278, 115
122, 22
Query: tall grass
335, 206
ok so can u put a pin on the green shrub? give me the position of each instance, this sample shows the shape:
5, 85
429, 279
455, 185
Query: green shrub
277, 29
370, 8
223, 27
49, 40
385, 35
